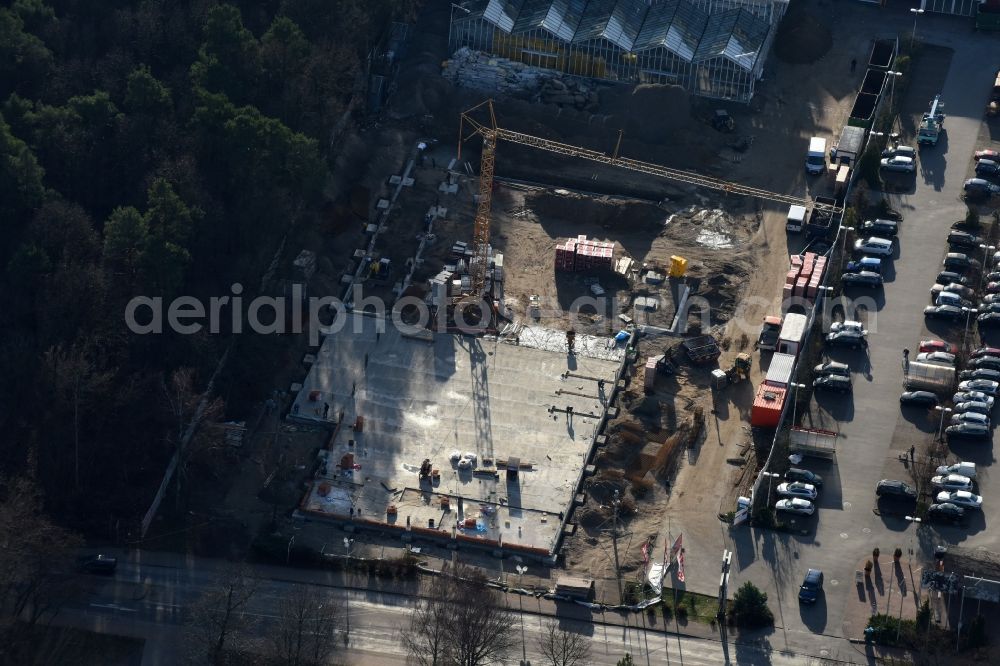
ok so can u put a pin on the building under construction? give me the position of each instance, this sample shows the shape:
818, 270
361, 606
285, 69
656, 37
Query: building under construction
712, 48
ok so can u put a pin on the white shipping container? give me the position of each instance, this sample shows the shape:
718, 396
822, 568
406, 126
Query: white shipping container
779, 373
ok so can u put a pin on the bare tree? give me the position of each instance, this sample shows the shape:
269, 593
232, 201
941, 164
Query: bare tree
218, 622
563, 648
190, 409
306, 627
461, 623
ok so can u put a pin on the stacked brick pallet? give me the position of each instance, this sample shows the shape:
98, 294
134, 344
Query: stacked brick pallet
805, 274
581, 254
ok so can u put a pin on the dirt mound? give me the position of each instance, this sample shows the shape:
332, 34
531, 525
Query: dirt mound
802, 39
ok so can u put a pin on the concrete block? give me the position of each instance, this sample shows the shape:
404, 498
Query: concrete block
569, 529
395, 180
589, 470
295, 387
407, 182
309, 359
382, 204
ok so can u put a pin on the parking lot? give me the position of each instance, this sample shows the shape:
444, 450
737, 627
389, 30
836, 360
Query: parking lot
875, 434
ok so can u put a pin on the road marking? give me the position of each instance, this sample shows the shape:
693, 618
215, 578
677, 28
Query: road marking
114, 607
843, 535
847, 506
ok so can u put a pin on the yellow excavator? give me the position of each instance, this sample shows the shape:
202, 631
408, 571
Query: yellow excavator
740, 369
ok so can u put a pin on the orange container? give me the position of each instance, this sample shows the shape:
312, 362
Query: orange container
767, 406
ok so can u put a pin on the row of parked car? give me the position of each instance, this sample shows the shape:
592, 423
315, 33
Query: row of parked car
987, 168
954, 495
799, 492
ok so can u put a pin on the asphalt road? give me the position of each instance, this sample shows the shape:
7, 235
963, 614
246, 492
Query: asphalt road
149, 599
874, 431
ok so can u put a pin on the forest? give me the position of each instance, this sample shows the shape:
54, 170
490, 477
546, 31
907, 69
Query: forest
149, 147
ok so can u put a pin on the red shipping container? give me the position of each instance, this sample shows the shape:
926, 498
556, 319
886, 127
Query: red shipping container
767, 406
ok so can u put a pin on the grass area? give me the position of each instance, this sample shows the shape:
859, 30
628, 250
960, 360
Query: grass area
689, 605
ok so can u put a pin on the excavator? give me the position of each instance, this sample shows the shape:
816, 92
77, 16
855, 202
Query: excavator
740, 368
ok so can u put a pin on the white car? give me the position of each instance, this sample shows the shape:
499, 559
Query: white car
874, 246
899, 163
936, 357
795, 505
970, 417
798, 489
987, 386
962, 498
952, 482
848, 326
964, 468
972, 396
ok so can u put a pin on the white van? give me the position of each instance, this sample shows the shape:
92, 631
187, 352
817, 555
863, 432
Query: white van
816, 157
796, 218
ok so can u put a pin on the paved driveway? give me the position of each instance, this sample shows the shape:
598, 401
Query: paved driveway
874, 431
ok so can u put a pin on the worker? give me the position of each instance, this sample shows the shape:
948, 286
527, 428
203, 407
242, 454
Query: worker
854, 64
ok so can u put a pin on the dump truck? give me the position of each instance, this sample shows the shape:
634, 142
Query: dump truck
932, 124
769, 332
820, 222
929, 377
702, 349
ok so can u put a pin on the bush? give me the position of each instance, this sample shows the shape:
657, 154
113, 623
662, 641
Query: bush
750, 607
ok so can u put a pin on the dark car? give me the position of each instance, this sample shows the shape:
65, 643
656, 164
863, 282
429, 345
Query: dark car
951, 277
967, 431
988, 320
862, 279
988, 307
804, 475
869, 264
979, 187
986, 168
881, 228
980, 373
945, 513
919, 398
963, 239
973, 406
97, 564
985, 351
893, 488
811, 586
949, 312
846, 339
837, 383
991, 287
957, 261
984, 362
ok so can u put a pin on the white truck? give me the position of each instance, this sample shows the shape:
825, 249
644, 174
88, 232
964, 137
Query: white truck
793, 331
816, 157
796, 218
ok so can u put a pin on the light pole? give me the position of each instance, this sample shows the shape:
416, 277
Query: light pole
943, 410
347, 596
968, 317
769, 475
520, 604
892, 92
288, 551
916, 12
795, 403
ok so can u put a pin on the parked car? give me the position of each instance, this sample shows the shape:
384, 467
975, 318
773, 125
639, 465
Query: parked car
964, 239
980, 187
980, 373
903, 151
991, 287
992, 277
804, 475
945, 512
970, 417
985, 351
882, 247
846, 339
986, 168
984, 363
962, 498
988, 320
983, 308
837, 383
862, 279
986, 154
951, 482
937, 346
951, 298
97, 564
803, 490
795, 505
957, 261
919, 399
972, 396
848, 326
899, 163
959, 290
951, 277
984, 385
990, 298
811, 587
869, 264
949, 312
833, 368
964, 468
972, 406
967, 431
881, 228
893, 488
941, 358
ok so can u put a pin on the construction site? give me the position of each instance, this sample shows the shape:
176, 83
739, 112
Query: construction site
546, 391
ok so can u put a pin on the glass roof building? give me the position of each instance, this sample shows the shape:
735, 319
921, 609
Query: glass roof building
713, 48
